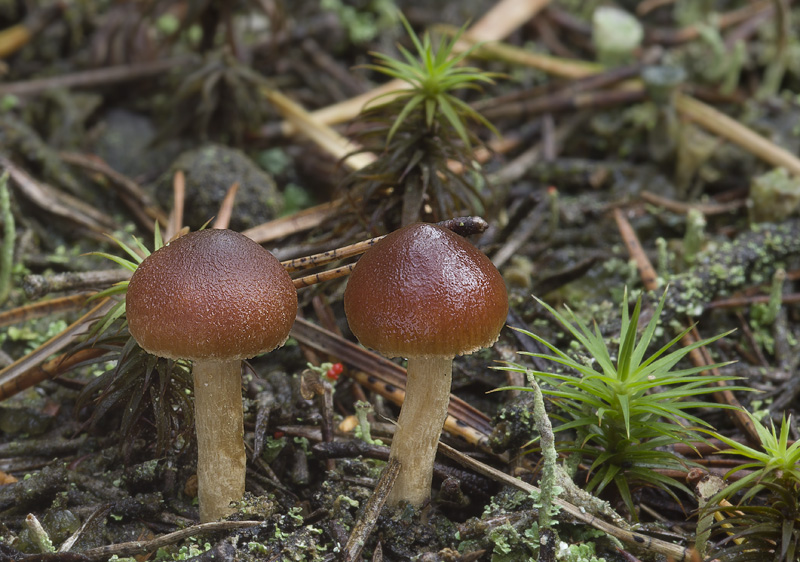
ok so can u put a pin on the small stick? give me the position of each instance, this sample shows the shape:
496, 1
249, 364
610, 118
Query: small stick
323, 60
18, 376
463, 226
176, 216
36, 286
706, 116
730, 129
41, 309
297, 222
564, 68
690, 32
322, 134
124, 184
738, 302
57, 202
108, 75
307, 262
646, 271
226, 209
366, 523
323, 276
522, 233
682, 208
575, 95
143, 547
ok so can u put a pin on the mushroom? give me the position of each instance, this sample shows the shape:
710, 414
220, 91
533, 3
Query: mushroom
427, 294
214, 297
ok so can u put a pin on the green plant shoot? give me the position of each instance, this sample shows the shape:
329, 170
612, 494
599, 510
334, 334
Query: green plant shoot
621, 427
122, 287
432, 76
778, 460
764, 524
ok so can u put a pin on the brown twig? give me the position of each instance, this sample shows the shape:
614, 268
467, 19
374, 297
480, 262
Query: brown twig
730, 129
463, 226
143, 547
175, 222
323, 258
578, 94
690, 32
682, 208
36, 286
706, 116
99, 77
226, 208
292, 224
743, 301
133, 195
323, 276
646, 271
57, 202
24, 372
41, 309
368, 518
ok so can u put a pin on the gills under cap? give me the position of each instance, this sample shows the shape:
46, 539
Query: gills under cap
425, 291
210, 295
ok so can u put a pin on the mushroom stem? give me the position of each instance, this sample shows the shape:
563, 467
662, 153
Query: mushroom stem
220, 427
419, 427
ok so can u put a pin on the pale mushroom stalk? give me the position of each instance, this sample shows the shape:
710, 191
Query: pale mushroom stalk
419, 427
219, 424
213, 297
424, 293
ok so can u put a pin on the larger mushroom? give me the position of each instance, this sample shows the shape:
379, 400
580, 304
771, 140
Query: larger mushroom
214, 297
427, 294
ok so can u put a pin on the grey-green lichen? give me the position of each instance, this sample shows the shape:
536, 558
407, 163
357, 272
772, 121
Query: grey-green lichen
751, 258
774, 196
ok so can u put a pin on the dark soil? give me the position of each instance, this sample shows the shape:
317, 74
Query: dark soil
100, 463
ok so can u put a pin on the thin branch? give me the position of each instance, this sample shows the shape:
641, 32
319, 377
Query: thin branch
99, 77
143, 547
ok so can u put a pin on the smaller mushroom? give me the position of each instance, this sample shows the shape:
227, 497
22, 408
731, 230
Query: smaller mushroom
214, 297
427, 294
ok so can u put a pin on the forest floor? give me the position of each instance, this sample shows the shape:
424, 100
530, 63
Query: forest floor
667, 169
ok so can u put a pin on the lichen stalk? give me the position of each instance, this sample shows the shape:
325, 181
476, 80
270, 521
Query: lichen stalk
419, 427
219, 425
7, 248
549, 454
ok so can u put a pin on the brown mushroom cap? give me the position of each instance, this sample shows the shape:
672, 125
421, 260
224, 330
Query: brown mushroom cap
425, 291
210, 295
